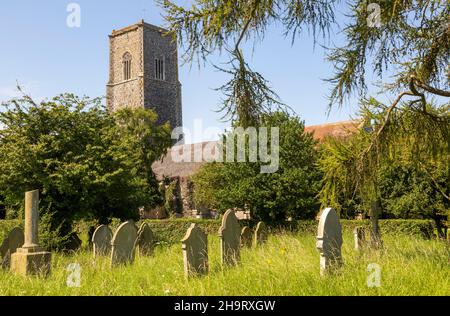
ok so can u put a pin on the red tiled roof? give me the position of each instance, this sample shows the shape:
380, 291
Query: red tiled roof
168, 168
338, 129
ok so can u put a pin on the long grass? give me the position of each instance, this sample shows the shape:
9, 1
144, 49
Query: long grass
285, 265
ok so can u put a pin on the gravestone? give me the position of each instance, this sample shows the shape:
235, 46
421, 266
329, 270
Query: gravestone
230, 239
123, 244
101, 241
14, 240
246, 237
359, 234
329, 241
31, 259
260, 235
145, 241
195, 252
375, 234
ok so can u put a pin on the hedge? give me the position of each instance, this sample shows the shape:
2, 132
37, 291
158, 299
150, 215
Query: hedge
171, 231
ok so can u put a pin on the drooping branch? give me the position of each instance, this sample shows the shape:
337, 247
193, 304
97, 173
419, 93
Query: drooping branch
387, 119
430, 89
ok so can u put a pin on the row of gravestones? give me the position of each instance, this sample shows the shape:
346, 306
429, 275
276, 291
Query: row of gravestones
123, 244
195, 243
127, 238
232, 238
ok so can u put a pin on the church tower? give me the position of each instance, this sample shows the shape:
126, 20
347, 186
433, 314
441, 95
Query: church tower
143, 72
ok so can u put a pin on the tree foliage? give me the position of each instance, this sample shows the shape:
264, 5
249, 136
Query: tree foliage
86, 163
411, 43
410, 178
271, 197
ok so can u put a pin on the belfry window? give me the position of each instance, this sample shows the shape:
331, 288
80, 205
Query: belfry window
127, 66
159, 69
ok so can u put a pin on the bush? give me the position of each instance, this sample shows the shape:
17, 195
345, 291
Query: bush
271, 197
86, 162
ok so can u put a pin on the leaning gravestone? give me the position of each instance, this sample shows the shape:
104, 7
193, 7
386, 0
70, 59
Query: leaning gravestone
30, 258
230, 239
359, 234
145, 241
101, 240
246, 237
261, 235
123, 244
195, 252
14, 240
329, 240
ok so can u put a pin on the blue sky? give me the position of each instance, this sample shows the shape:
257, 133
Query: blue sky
46, 57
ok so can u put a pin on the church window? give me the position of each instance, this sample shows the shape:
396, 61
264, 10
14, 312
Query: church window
159, 69
127, 66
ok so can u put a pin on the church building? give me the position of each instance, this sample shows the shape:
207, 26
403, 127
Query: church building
143, 72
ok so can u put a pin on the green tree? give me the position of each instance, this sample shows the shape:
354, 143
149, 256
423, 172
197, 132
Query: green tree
271, 197
411, 43
86, 163
411, 180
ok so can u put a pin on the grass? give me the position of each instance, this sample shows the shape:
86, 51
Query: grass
286, 265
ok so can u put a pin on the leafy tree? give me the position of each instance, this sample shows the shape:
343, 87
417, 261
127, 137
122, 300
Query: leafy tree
406, 186
411, 44
271, 197
86, 163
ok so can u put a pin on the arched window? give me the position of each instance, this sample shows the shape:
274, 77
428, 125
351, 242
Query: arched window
127, 66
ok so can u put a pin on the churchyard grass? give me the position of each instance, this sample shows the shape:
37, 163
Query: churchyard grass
286, 265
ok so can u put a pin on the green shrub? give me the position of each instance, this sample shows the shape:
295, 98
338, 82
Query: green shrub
85, 162
271, 197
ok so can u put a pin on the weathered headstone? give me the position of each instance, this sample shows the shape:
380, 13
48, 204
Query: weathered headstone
246, 237
260, 235
359, 234
31, 259
14, 240
195, 252
145, 241
123, 244
230, 239
101, 241
329, 240
375, 234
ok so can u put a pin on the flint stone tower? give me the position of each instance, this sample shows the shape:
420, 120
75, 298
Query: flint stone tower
143, 72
